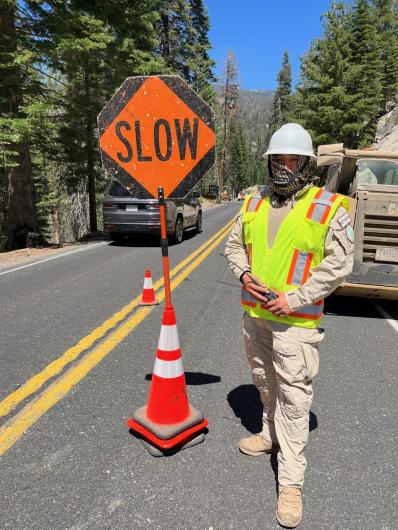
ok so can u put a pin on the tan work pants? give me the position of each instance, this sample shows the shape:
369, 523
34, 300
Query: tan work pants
284, 360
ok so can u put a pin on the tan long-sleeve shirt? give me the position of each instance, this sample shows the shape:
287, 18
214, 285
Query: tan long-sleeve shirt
325, 278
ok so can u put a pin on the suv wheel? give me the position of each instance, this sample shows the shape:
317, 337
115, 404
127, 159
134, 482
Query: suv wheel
179, 230
199, 222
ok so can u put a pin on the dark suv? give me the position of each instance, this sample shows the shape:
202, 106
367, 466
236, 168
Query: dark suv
124, 214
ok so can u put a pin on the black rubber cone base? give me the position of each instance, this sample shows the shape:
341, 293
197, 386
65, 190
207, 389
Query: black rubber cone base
156, 451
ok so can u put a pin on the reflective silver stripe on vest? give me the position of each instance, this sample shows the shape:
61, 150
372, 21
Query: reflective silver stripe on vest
322, 202
310, 312
247, 299
314, 309
298, 274
253, 203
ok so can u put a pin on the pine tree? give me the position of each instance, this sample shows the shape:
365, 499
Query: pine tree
177, 37
364, 79
60, 62
387, 26
228, 107
322, 99
239, 158
81, 39
282, 102
94, 51
201, 64
16, 87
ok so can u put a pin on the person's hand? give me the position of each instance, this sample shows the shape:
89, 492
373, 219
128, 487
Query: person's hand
258, 291
279, 307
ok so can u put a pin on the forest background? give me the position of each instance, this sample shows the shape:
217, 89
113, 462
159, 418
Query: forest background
60, 62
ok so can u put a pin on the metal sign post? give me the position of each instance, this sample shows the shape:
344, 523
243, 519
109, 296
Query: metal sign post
165, 247
157, 139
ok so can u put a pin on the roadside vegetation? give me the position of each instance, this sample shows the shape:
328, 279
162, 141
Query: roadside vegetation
60, 62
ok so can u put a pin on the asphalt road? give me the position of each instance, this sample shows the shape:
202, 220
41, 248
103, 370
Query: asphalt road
68, 460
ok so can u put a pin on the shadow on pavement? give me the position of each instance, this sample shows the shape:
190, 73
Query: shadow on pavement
313, 422
273, 460
195, 378
245, 401
350, 306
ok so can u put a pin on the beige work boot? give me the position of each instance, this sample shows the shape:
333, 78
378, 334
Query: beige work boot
256, 445
290, 508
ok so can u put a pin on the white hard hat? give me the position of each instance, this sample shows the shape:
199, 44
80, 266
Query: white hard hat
290, 139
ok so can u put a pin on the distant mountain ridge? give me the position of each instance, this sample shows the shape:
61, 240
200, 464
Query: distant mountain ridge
260, 93
254, 112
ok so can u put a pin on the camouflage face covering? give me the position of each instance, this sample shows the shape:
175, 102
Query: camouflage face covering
283, 181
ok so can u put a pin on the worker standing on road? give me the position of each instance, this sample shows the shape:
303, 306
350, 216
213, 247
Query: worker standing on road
297, 239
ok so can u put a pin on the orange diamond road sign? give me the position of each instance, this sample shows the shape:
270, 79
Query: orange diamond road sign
156, 131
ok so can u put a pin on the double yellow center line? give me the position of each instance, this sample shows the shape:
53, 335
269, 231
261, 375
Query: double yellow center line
116, 328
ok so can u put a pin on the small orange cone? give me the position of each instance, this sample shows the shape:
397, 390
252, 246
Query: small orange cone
168, 420
148, 294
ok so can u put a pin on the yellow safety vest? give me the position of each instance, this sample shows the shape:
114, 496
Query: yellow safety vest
298, 247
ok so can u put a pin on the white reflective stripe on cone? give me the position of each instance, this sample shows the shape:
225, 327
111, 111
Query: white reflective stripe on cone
168, 369
168, 339
148, 283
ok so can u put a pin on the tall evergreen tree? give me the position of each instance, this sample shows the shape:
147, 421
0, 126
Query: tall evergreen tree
184, 44
239, 158
94, 51
348, 78
282, 102
322, 100
201, 64
177, 37
228, 107
16, 87
60, 62
364, 79
387, 26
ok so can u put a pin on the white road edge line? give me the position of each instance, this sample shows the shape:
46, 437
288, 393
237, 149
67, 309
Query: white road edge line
393, 323
88, 246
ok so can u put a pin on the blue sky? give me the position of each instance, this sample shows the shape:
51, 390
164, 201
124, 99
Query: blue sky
259, 31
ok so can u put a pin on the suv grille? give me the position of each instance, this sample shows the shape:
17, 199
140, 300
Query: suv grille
379, 231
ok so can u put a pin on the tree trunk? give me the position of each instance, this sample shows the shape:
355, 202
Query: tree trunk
92, 199
21, 207
22, 215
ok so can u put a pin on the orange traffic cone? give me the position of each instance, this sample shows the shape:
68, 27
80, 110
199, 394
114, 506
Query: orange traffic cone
168, 421
148, 294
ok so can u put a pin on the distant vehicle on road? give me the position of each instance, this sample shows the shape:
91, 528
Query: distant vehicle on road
241, 196
213, 191
370, 179
126, 215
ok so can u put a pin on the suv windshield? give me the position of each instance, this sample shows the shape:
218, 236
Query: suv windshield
117, 190
371, 171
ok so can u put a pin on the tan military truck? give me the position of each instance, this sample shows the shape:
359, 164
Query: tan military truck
370, 180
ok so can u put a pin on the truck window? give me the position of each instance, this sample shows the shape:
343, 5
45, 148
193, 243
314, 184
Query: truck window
382, 172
